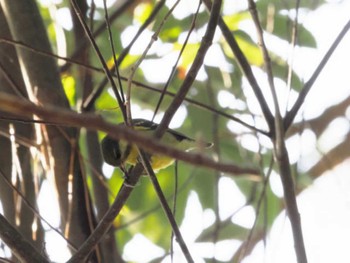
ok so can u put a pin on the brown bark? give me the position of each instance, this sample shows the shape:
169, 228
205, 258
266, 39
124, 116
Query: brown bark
12, 83
43, 84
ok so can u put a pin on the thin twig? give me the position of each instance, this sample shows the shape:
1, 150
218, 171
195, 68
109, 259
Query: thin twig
12, 83
172, 73
176, 189
116, 64
144, 54
266, 56
245, 245
166, 208
292, 48
90, 100
80, 49
42, 52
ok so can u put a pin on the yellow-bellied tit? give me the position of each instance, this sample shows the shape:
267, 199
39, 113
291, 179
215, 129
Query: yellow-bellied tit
118, 153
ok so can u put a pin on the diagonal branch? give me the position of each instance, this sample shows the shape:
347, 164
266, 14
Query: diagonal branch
90, 100
246, 68
164, 203
192, 73
122, 6
25, 251
172, 73
280, 150
100, 57
108, 219
288, 120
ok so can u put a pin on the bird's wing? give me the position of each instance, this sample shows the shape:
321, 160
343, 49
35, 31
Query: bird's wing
142, 124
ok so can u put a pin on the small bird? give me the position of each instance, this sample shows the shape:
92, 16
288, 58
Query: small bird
118, 153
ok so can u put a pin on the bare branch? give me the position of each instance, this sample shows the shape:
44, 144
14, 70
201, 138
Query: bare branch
108, 219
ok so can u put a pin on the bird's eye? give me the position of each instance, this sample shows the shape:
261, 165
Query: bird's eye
116, 152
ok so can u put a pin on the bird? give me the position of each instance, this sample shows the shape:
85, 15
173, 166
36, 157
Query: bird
118, 152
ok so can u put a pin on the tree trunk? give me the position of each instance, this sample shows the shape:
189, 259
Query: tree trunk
43, 85
17, 212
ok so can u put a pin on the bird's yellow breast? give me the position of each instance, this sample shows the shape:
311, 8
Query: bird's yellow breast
158, 162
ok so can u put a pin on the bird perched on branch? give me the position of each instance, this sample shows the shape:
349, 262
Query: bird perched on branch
118, 153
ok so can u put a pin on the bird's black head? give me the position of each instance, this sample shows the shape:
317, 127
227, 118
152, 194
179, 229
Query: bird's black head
111, 151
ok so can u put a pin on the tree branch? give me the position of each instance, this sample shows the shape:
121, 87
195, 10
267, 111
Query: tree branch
245, 67
18, 244
164, 203
123, 5
63, 117
100, 57
108, 219
192, 73
280, 150
90, 100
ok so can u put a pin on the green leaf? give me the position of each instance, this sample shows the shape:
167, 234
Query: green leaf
68, 83
282, 28
142, 12
233, 20
248, 47
228, 230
